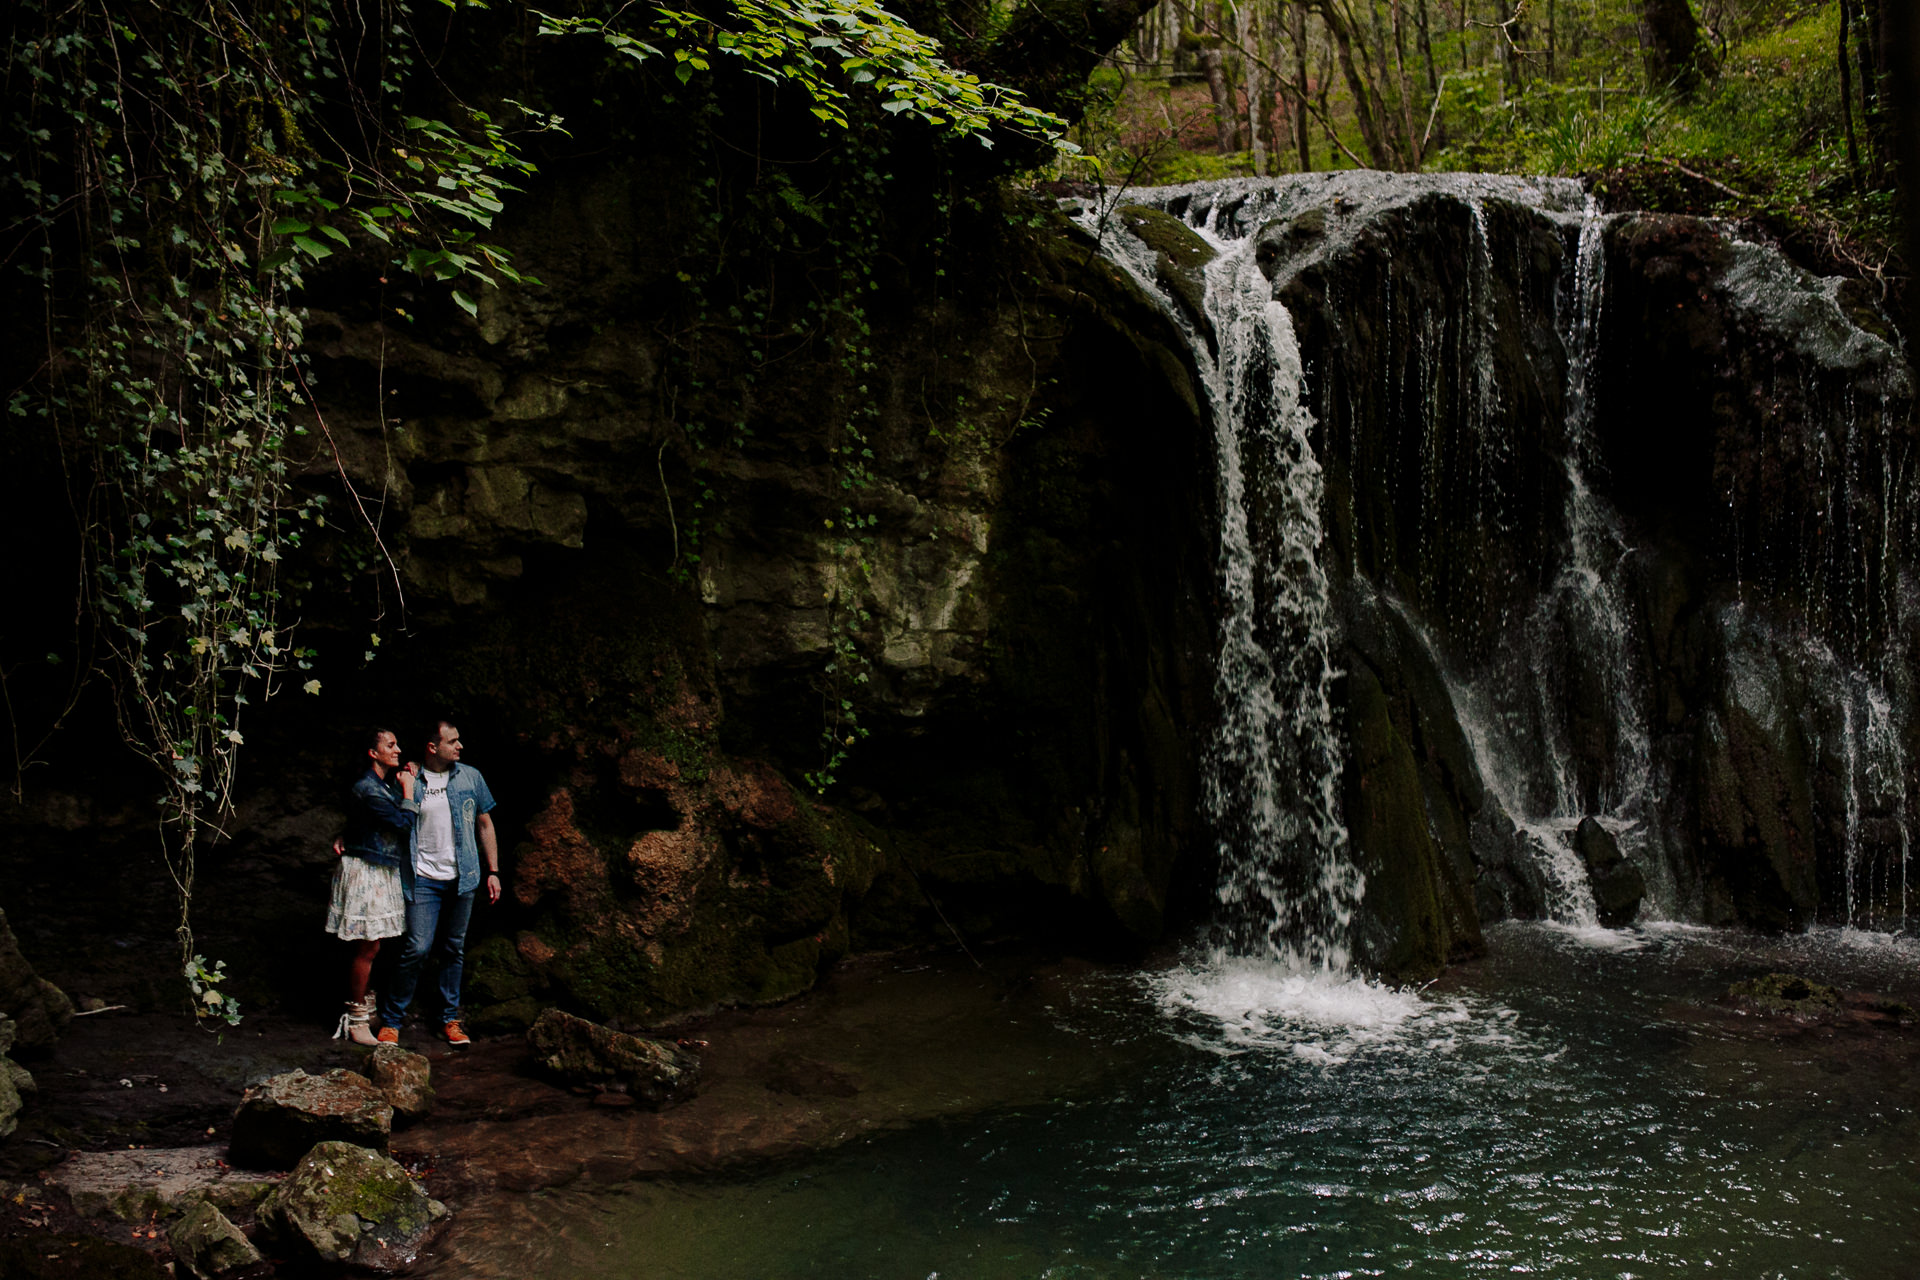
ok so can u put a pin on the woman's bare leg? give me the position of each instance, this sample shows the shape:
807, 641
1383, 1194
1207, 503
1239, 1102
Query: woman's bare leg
360, 968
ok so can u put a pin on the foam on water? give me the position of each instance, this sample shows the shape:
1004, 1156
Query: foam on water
1238, 1005
1599, 936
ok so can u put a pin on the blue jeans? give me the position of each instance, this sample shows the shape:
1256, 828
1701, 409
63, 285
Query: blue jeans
437, 912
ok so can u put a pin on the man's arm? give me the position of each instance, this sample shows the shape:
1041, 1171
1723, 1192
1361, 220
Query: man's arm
490, 850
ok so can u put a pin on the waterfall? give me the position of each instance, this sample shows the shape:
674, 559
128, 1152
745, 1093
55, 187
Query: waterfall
1288, 889
1457, 411
1273, 774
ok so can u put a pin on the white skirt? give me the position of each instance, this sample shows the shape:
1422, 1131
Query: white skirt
367, 902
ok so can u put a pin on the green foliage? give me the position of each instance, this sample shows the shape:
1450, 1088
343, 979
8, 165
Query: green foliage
824, 48
180, 171
204, 984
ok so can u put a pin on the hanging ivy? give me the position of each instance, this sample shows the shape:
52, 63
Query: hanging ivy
182, 166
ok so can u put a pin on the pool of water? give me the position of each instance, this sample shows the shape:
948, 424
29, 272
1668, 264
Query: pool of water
1571, 1106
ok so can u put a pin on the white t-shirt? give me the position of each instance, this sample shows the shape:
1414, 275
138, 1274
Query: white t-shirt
433, 854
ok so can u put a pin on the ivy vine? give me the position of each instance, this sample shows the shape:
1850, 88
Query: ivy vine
182, 165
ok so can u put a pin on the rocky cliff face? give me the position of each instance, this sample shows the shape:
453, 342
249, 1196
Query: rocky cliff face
1028, 593
1620, 527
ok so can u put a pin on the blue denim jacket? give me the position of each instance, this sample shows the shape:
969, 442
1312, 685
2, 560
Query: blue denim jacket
467, 799
379, 821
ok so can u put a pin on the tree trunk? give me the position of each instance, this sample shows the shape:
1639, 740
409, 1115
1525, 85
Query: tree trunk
1426, 52
1300, 79
1249, 38
1866, 36
1670, 39
1363, 97
1900, 46
1846, 95
1213, 62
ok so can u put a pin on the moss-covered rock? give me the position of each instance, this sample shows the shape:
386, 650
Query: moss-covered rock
1787, 993
39, 1010
344, 1205
207, 1246
1180, 258
403, 1078
577, 1051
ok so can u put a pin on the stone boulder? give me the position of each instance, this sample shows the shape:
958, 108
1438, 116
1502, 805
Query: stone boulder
281, 1118
1787, 993
16, 1082
347, 1206
40, 1010
403, 1079
156, 1182
206, 1246
1617, 884
581, 1052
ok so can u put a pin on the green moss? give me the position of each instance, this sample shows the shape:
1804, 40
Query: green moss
1787, 993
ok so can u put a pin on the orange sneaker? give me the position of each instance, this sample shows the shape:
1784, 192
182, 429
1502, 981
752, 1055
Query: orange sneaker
455, 1036
388, 1035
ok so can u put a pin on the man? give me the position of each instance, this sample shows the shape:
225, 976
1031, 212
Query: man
451, 837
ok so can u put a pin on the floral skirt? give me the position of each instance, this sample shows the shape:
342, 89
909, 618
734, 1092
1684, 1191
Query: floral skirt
366, 901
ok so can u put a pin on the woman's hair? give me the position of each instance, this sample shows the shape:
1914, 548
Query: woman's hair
374, 735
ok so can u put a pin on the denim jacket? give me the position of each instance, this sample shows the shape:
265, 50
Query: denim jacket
467, 799
379, 821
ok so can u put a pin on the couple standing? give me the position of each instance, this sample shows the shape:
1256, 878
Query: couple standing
410, 864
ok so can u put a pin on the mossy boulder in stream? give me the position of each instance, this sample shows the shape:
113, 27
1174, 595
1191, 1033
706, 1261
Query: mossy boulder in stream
403, 1078
1787, 993
580, 1052
348, 1206
207, 1246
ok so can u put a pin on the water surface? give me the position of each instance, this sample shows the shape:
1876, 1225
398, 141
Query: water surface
1575, 1105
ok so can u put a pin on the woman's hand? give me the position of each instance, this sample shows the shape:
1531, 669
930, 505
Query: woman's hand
407, 773
339, 846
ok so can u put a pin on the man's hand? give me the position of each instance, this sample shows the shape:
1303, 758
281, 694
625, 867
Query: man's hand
493, 886
339, 846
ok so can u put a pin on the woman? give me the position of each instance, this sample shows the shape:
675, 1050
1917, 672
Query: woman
367, 903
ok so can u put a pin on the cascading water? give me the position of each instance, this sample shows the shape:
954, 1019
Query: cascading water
1580, 635
1288, 888
1472, 471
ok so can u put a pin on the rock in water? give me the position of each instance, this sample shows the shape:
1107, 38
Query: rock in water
346, 1206
1618, 885
582, 1052
208, 1246
403, 1079
40, 1009
280, 1118
1787, 993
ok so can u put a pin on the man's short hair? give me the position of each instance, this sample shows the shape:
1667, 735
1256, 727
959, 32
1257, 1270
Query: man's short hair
374, 735
435, 726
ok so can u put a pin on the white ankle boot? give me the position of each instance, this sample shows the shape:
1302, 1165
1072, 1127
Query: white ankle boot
353, 1023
